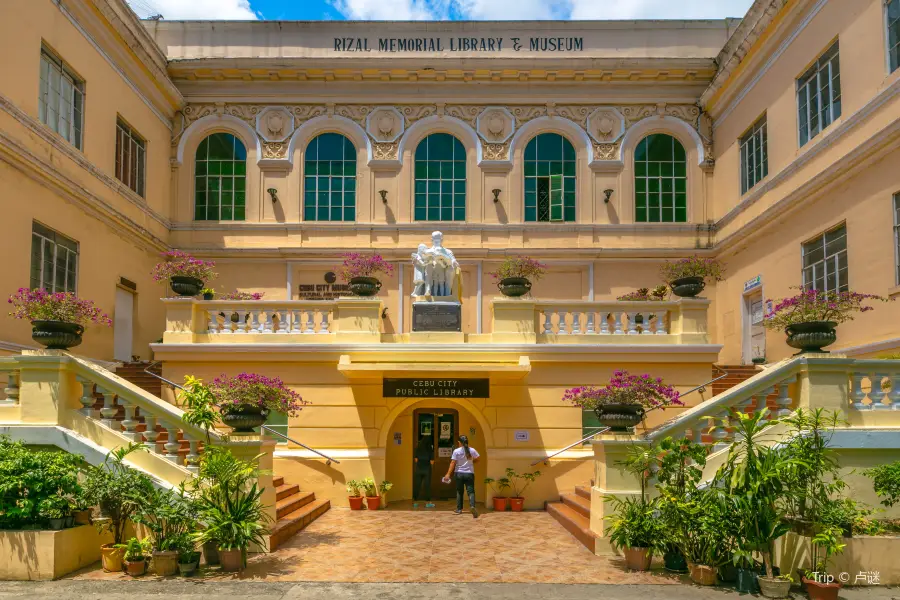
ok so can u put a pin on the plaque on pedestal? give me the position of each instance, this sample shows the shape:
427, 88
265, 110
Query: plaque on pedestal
436, 316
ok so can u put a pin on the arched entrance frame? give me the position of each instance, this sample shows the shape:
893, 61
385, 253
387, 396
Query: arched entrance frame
406, 403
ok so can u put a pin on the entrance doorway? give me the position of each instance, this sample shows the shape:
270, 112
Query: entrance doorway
123, 328
435, 432
754, 331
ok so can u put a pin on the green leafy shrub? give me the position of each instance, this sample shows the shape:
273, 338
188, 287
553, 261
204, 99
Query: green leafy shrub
886, 479
120, 491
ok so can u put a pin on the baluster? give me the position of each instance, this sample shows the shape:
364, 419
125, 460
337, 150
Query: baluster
749, 403
720, 435
645, 328
661, 322
877, 394
213, 321
548, 323
284, 320
12, 388
697, 433
590, 322
894, 394
323, 326
109, 410
296, 321
764, 399
632, 323
150, 433
576, 322
857, 395
241, 326
310, 321
604, 323
193, 457
563, 328
253, 321
172, 444
130, 423
617, 322
267, 326
87, 397
226, 324
783, 401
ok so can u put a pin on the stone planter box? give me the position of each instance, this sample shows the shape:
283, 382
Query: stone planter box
866, 554
44, 555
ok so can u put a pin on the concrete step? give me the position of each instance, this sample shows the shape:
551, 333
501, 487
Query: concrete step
584, 491
573, 522
294, 522
285, 490
578, 503
293, 503
277, 480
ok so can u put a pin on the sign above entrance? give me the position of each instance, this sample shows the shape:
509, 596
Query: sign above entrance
459, 44
752, 284
436, 388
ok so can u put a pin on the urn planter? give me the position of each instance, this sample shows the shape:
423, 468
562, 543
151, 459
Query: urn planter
185, 286
364, 286
620, 417
208, 296
774, 587
812, 336
687, 287
245, 419
514, 287
56, 335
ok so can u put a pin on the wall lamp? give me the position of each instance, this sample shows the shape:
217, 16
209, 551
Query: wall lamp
383, 194
607, 195
496, 193
273, 193
384, 314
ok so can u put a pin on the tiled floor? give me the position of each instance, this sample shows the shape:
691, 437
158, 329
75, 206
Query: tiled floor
432, 545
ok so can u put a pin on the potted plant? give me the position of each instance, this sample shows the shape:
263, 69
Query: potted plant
373, 500
679, 469
688, 276
188, 555
354, 488
622, 403
634, 528
57, 320
886, 481
657, 294
245, 400
519, 482
208, 293
809, 319
169, 516
199, 405
242, 296
825, 544
384, 488
359, 270
119, 491
702, 536
185, 274
501, 502
135, 553
515, 274
56, 510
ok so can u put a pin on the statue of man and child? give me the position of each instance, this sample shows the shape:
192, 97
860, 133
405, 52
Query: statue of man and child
436, 273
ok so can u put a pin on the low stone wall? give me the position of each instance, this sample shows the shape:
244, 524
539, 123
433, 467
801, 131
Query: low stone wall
42, 555
863, 557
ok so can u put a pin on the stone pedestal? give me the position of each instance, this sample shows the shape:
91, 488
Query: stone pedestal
437, 315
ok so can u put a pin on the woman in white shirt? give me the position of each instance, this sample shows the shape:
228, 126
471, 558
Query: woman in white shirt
462, 464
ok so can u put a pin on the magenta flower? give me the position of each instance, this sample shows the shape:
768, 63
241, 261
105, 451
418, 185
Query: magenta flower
363, 265
816, 305
252, 389
236, 295
624, 388
522, 266
182, 264
40, 305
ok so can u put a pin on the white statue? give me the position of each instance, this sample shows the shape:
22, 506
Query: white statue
436, 272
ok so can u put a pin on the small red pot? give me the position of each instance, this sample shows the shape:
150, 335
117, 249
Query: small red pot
517, 504
500, 503
373, 502
355, 502
821, 590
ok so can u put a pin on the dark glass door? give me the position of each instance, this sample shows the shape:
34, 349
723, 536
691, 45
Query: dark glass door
436, 429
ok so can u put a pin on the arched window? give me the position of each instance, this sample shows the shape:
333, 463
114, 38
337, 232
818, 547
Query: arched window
549, 179
660, 180
440, 190
220, 179
330, 184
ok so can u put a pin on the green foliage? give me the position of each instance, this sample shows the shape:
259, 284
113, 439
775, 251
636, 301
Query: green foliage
199, 404
354, 488
385, 486
519, 482
369, 487
118, 490
136, 550
498, 485
704, 531
170, 516
36, 484
679, 469
187, 549
825, 544
634, 524
886, 479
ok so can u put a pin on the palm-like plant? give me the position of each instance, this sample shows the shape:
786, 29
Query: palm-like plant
634, 524
118, 490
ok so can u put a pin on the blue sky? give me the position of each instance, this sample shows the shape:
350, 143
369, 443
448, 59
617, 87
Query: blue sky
441, 9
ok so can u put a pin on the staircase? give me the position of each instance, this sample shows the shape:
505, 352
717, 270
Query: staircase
135, 373
736, 374
295, 510
573, 512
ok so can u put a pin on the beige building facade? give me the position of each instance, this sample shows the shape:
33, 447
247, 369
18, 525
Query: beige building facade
600, 148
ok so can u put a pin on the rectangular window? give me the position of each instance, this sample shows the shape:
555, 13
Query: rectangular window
819, 95
54, 260
754, 155
893, 34
61, 99
825, 261
130, 157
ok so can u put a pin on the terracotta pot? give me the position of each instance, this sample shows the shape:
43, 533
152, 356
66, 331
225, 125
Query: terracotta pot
373, 502
514, 287
165, 563
356, 502
111, 558
500, 503
821, 591
517, 504
136, 568
637, 559
56, 335
775, 588
231, 560
702, 574
811, 336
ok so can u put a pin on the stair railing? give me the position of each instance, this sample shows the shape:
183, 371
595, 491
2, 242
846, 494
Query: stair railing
267, 429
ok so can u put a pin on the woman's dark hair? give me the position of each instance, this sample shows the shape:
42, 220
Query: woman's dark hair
424, 444
465, 444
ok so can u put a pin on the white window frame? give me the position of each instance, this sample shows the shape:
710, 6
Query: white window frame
811, 80
830, 263
54, 242
61, 99
755, 137
131, 157
891, 67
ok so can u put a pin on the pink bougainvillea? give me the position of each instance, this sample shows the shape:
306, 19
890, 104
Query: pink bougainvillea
232, 393
363, 265
40, 305
236, 295
816, 305
624, 388
178, 263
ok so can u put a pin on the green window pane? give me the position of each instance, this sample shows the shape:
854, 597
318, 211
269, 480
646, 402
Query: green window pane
336, 213
312, 167
349, 213
446, 170
681, 215
459, 214
350, 184
420, 201
446, 213
530, 169
640, 169
569, 168
324, 168
239, 213
459, 169
227, 213
530, 214
309, 213
446, 187
641, 214
309, 199
322, 212
201, 168
420, 214
459, 187
660, 169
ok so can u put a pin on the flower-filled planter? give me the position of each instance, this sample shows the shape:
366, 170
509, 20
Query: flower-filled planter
622, 403
238, 295
359, 270
810, 318
245, 400
186, 275
687, 277
515, 275
57, 320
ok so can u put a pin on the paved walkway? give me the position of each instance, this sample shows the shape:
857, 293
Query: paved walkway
431, 546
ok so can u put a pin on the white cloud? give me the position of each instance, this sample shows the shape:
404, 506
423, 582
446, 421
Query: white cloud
391, 10
658, 9
195, 9
511, 9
